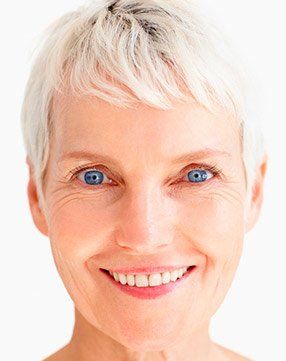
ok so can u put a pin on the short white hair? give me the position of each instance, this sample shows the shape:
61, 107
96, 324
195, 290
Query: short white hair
158, 50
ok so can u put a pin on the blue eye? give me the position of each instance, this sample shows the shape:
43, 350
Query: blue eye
93, 177
197, 175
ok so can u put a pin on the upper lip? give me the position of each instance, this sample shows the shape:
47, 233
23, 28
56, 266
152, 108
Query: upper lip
147, 270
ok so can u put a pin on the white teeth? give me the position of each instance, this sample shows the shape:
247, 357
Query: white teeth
166, 277
155, 279
181, 272
115, 275
141, 280
122, 279
174, 275
130, 280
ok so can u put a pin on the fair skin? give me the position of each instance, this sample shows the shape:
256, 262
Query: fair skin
143, 217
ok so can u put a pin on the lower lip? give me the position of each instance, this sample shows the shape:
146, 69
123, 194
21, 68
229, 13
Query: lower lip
150, 292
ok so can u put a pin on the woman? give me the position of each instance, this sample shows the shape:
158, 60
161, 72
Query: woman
146, 171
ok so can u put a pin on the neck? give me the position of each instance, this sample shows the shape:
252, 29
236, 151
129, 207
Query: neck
89, 343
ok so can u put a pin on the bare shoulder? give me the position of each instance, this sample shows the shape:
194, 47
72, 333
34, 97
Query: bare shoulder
63, 354
231, 355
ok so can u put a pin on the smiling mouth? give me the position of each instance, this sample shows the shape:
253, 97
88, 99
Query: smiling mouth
140, 287
149, 280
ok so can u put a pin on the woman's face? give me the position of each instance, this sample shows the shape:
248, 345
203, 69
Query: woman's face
147, 210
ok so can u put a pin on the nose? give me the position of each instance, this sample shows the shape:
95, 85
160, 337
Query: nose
146, 221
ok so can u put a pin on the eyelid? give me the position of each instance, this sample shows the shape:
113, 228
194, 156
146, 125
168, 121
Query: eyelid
99, 167
106, 179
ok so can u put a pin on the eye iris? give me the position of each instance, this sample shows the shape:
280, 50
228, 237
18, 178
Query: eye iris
95, 177
197, 175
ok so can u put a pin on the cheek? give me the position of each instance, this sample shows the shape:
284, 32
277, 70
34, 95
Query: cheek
78, 229
214, 224
78, 223
214, 228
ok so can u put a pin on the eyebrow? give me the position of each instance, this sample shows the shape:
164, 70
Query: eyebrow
186, 157
202, 153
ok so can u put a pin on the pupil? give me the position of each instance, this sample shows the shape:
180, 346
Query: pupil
93, 177
197, 175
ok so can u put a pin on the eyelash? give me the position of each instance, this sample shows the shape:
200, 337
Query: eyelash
201, 166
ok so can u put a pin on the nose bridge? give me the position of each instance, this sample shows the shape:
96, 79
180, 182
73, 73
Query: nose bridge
145, 219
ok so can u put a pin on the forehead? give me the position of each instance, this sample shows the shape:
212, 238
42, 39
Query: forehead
93, 125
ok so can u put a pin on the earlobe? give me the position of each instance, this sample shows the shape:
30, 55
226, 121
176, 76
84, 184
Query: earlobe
256, 195
36, 211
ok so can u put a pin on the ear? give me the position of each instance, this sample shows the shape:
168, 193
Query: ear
37, 213
257, 195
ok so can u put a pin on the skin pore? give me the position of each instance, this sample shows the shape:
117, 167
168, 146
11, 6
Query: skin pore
145, 212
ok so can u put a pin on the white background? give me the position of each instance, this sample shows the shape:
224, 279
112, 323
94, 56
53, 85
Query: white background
36, 311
